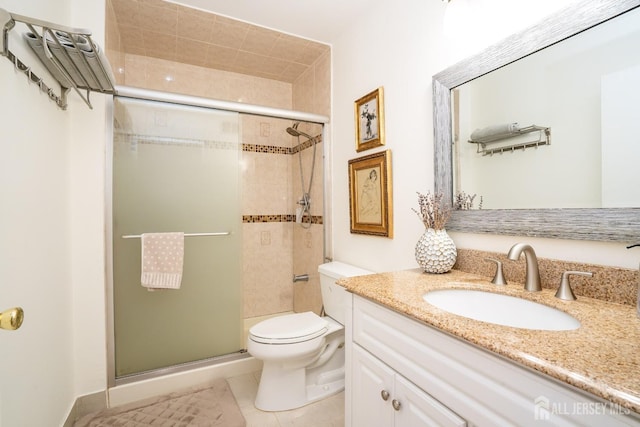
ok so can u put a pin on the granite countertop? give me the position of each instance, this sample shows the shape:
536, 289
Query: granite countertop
601, 357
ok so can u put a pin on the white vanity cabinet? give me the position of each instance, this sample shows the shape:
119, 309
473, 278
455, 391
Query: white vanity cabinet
440, 380
384, 398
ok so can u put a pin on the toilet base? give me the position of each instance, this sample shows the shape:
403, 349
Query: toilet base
283, 389
328, 383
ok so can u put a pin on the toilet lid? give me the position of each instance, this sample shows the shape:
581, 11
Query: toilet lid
289, 328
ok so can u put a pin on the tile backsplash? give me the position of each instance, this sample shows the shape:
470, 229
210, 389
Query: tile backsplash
613, 284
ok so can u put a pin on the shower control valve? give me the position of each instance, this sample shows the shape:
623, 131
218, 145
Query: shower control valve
304, 200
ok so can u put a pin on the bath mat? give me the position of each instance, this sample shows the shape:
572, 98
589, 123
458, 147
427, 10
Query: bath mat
214, 405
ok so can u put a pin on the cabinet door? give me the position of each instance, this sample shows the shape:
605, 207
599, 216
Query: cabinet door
414, 407
372, 380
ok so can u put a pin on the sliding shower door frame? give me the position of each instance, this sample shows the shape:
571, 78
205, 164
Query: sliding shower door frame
149, 95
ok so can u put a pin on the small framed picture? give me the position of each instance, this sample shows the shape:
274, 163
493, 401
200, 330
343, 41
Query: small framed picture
370, 198
369, 115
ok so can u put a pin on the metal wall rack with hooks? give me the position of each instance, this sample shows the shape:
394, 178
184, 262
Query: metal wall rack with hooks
544, 138
69, 54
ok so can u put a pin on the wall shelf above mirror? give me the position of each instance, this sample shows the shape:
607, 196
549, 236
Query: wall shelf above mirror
601, 211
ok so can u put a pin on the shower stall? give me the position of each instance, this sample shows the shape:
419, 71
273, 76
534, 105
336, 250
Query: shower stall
210, 169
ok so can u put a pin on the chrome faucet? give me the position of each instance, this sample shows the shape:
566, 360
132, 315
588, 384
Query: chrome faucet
532, 276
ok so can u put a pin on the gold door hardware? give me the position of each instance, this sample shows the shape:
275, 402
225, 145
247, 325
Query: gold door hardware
11, 319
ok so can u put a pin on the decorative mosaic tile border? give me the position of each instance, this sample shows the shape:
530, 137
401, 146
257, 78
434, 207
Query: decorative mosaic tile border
307, 144
275, 149
135, 139
315, 219
268, 149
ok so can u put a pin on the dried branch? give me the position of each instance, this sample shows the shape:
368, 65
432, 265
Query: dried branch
464, 201
433, 212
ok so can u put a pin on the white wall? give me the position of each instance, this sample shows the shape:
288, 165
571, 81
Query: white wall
401, 46
87, 215
51, 251
35, 245
620, 93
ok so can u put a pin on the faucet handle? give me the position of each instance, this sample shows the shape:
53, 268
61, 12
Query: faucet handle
498, 278
564, 290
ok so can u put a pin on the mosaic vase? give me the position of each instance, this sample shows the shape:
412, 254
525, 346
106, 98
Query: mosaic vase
435, 251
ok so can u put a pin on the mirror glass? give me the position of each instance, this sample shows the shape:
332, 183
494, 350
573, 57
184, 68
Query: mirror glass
584, 91
583, 183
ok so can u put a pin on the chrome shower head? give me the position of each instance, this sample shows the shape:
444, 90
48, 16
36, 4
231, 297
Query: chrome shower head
293, 131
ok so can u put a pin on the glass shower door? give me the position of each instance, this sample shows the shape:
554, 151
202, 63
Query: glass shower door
176, 168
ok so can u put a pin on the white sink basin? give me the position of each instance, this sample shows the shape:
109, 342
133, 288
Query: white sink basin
501, 309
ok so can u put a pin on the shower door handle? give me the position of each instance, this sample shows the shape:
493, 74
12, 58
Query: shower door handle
11, 319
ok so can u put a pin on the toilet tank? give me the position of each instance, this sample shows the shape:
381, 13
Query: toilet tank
333, 296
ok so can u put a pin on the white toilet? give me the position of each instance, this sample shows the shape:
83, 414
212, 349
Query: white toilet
303, 353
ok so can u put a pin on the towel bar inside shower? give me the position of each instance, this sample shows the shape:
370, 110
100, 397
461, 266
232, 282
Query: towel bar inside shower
50, 32
220, 233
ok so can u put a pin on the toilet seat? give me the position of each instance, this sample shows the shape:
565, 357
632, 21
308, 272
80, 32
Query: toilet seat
289, 329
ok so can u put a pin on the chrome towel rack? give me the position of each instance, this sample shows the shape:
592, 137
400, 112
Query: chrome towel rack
69, 54
221, 233
544, 138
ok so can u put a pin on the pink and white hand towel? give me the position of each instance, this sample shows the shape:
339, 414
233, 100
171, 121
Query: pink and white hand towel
162, 260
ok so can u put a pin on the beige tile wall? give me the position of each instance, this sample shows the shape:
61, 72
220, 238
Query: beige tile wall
271, 187
191, 36
308, 247
307, 255
312, 90
312, 93
169, 76
112, 42
267, 268
266, 194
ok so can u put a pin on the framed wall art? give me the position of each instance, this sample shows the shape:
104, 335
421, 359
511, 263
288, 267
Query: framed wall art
369, 117
370, 195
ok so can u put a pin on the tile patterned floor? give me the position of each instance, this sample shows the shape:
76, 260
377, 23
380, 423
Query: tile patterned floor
325, 413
